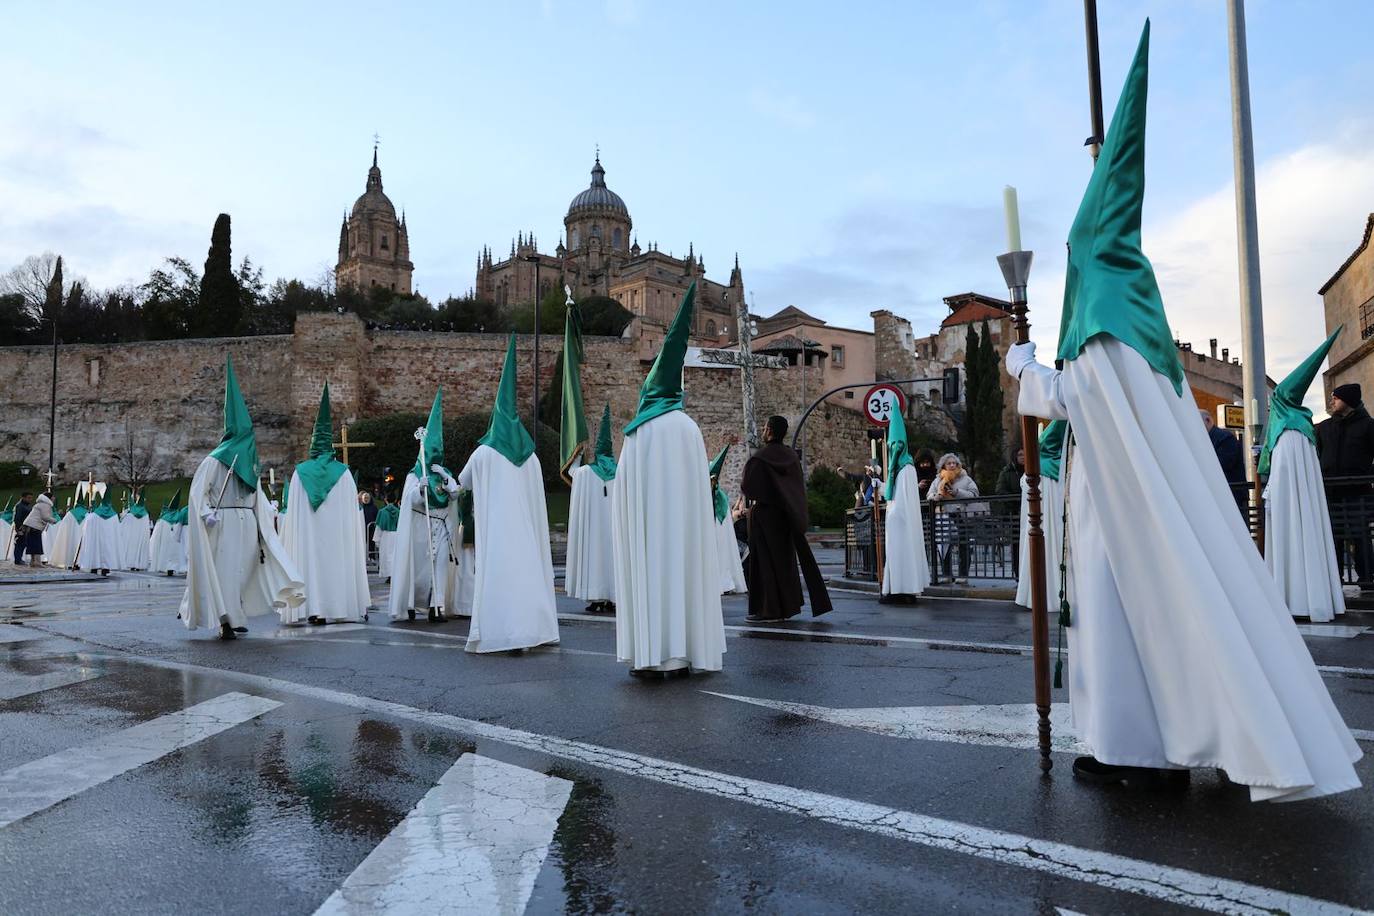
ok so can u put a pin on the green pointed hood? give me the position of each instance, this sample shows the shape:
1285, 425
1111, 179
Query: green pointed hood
1285, 405
603, 463
170, 507
7, 513
237, 447
898, 451
467, 518
79, 513
720, 502
572, 428
506, 433
1052, 447
1110, 286
662, 391
387, 517
103, 508
321, 470
137, 508
432, 452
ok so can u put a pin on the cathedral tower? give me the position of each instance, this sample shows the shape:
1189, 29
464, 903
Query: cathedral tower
374, 247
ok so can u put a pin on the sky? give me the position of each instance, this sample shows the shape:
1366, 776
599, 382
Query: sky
853, 156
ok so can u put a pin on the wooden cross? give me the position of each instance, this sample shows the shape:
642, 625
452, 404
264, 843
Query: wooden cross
50, 476
745, 360
345, 445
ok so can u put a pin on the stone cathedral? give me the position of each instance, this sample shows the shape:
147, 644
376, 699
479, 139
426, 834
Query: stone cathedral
374, 247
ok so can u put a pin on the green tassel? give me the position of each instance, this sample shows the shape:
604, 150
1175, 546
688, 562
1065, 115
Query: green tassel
1065, 618
1058, 673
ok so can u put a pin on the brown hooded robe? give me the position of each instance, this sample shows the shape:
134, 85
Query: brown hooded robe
773, 481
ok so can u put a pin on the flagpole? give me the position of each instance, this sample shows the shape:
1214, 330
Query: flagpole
1016, 265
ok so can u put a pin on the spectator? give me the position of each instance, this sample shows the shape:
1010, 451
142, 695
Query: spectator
952, 483
1009, 480
925, 469
21, 512
1345, 448
1231, 457
865, 484
35, 523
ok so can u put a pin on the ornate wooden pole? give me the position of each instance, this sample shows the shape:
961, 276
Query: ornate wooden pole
1016, 270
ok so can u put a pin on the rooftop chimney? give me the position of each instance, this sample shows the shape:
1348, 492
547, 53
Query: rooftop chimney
1213, 344
1225, 355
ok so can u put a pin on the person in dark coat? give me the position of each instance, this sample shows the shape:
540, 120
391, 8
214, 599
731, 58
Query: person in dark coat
925, 469
774, 485
1345, 448
21, 512
1231, 457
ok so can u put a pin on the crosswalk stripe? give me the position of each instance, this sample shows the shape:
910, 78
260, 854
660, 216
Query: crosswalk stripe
473, 844
40, 784
1101, 869
14, 686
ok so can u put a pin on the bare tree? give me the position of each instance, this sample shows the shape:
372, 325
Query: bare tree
135, 464
31, 279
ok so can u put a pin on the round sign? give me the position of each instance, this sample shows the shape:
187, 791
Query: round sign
881, 401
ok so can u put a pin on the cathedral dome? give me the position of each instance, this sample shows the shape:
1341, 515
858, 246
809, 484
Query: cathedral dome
598, 197
373, 202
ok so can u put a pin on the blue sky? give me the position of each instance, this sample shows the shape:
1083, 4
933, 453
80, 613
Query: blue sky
853, 155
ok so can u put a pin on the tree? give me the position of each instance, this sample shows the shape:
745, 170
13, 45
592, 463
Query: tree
604, 316
551, 309
981, 436
970, 428
30, 279
991, 406
219, 312
828, 497
171, 295
16, 324
472, 315
135, 462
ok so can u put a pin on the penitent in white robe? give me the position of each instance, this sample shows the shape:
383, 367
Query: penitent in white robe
1181, 650
99, 542
237, 569
411, 568
327, 546
512, 604
134, 534
906, 568
465, 578
66, 542
727, 552
167, 548
386, 547
1298, 546
590, 565
6, 541
1052, 524
667, 564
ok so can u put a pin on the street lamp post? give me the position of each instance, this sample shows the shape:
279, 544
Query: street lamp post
807, 344
52, 406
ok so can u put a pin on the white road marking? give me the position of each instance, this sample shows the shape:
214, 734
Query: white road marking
473, 844
1334, 630
426, 634
1362, 734
14, 686
40, 784
1102, 869
308, 631
1000, 725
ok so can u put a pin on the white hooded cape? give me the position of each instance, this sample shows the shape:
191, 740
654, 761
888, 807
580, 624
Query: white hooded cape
667, 564
134, 533
386, 547
99, 542
512, 604
410, 556
242, 546
66, 542
1298, 546
906, 568
590, 567
727, 553
326, 545
1052, 524
167, 548
6, 541
1181, 650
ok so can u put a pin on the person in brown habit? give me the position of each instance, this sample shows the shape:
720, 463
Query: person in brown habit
775, 486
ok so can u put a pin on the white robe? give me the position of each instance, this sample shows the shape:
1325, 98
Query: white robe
411, 569
6, 541
237, 569
134, 533
727, 553
465, 586
667, 564
1298, 546
99, 542
326, 545
386, 546
1052, 525
512, 603
167, 548
590, 567
1181, 650
66, 542
906, 568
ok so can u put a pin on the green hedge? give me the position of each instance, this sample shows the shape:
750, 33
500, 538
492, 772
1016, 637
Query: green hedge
828, 497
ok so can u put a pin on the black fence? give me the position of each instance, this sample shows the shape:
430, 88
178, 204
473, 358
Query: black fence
978, 538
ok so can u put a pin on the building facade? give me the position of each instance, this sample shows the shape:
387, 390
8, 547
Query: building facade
1348, 299
836, 356
599, 255
374, 246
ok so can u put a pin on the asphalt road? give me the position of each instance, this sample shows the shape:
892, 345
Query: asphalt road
833, 766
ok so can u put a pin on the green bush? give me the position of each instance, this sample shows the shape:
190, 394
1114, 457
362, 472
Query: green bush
828, 497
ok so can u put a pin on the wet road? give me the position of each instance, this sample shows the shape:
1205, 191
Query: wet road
878, 760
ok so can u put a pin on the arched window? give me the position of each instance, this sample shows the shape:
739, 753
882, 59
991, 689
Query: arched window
615, 237
710, 329
384, 244
576, 237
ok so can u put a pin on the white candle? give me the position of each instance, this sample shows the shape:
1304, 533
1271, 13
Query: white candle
1013, 218
272, 477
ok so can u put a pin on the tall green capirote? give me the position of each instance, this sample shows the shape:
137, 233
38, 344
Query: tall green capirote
1285, 404
898, 451
321, 470
237, 447
662, 390
572, 427
1110, 287
103, 508
506, 433
431, 452
1052, 447
719, 500
603, 462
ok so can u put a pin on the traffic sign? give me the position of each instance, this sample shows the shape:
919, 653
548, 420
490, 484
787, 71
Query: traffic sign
880, 401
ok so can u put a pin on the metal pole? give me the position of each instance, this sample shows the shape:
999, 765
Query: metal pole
1094, 143
1016, 269
52, 407
1247, 237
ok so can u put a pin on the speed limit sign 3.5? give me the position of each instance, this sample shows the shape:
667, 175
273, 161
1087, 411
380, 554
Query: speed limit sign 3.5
881, 401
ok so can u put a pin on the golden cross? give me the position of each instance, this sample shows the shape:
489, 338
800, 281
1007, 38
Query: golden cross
345, 445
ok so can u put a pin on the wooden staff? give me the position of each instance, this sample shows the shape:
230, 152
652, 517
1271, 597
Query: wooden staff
1015, 266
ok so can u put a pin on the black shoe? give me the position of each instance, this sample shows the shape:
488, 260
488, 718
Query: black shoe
226, 631
648, 674
433, 615
315, 621
1090, 769
515, 651
240, 629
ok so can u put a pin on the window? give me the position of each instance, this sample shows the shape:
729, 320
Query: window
576, 237
849, 395
94, 372
615, 238
1367, 319
384, 244
710, 329
837, 357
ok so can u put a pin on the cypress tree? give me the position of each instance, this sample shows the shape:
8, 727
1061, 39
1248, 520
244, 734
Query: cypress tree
52, 300
220, 311
970, 434
991, 434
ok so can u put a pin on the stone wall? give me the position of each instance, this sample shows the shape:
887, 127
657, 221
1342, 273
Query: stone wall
169, 394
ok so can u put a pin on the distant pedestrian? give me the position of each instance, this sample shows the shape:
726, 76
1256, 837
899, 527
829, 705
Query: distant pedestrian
925, 469
1009, 479
21, 512
1345, 448
36, 521
952, 483
1231, 457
